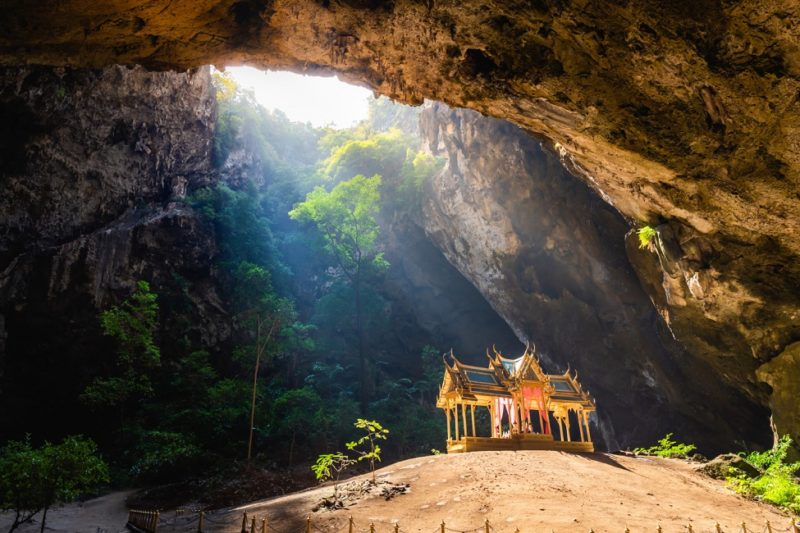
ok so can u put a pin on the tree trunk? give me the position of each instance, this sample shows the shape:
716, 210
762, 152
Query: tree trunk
291, 448
255, 386
362, 356
44, 519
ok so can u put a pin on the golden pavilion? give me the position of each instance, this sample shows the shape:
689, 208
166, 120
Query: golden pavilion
527, 409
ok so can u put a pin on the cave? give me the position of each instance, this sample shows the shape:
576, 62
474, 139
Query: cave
675, 116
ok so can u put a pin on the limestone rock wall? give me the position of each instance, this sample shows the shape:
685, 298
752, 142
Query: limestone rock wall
93, 166
549, 255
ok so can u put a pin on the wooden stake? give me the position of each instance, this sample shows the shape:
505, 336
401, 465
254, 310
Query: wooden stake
396, 527
253, 525
442, 526
717, 527
487, 526
769, 527
200, 521
308, 524
350, 529
372, 528
690, 529
264, 525
244, 522
155, 521
744, 527
658, 528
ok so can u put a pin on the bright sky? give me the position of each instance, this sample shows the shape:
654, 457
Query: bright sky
320, 101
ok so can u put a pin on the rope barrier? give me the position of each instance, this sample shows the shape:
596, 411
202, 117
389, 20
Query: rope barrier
151, 521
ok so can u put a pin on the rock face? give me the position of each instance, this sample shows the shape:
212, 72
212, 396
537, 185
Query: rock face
682, 114
93, 164
549, 255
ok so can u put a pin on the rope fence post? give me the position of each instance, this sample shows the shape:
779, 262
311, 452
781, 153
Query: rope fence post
795, 529
371, 527
264, 525
769, 527
659, 528
690, 528
486, 525
442, 526
744, 527
155, 521
396, 527
253, 525
350, 528
717, 528
308, 524
244, 522
627, 529
200, 521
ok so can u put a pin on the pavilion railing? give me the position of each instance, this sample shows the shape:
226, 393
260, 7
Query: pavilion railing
202, 521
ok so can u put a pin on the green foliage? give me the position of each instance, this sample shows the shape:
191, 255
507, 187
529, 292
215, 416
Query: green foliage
331, 465
162, 455
370, 450
133, 325
646, 235
778, 483
667, 447
385, 115
434, 451
34, 479
345, 217
394, 156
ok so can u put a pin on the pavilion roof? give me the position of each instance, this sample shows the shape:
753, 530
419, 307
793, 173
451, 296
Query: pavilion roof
504, 374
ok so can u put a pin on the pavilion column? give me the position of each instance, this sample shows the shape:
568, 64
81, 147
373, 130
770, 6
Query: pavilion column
491, 419
588, 432
455, 416
560, 429
464, 419
580, 425
447, 412
472, 410
566, 421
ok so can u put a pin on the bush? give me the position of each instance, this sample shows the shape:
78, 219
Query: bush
778, 484
34, 479
667, 447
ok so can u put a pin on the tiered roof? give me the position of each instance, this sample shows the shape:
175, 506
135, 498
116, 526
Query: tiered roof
506, 374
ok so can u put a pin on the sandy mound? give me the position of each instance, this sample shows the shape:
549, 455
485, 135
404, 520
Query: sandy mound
534, 491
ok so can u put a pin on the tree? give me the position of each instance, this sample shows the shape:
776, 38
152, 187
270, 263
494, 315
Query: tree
133, 325
345, 217
33, 480
374, 433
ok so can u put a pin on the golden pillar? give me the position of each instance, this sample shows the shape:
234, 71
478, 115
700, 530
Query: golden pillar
472, 411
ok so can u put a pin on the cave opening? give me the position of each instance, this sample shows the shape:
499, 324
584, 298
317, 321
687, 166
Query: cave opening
481, 236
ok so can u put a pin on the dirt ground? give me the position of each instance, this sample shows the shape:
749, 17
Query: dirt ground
106, 514
534, 491
531, 491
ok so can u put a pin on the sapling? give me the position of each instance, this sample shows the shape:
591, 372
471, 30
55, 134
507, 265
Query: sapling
374, 433
331, 466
